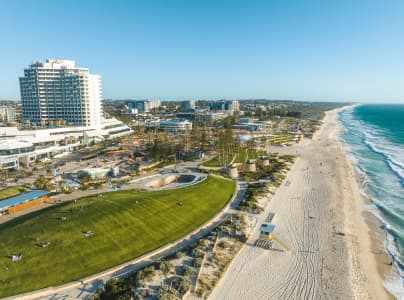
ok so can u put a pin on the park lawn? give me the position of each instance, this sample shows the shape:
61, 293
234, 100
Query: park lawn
12, 191
246, 154
123, 230
276, 139
241, 157
214, 162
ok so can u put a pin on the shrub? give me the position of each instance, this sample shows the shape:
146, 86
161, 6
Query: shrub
181, 284
165, 293
165, 267
225, 245
116, 289
145, 274
197, 253
197, 262
189, 271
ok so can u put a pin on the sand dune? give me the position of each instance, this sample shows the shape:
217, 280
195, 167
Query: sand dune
319, 215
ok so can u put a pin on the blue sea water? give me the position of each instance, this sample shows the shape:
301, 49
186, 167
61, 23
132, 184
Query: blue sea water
374, 138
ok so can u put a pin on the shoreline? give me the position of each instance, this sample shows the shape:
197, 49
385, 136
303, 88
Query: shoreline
321, 214
373, 242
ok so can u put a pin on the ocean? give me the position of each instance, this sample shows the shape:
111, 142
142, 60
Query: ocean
373, 137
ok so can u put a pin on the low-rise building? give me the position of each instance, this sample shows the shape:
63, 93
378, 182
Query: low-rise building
209, 118
228, 106
175, 125
23, 147
252, 124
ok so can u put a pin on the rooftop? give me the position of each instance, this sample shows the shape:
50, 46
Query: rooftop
14, 144
267, 228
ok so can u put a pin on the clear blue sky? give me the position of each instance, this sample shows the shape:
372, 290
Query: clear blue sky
304, 50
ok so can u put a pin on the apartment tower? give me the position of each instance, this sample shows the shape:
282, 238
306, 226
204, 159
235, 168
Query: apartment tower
58, 92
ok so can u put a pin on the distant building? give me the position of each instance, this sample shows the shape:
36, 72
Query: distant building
7, 113
248, 120
188, 105
228, 106
147, 105
175, 125
131, 108
186, 115
209, 118
252, 124
59, 91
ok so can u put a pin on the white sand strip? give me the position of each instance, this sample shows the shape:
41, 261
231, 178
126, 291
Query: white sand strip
321, 201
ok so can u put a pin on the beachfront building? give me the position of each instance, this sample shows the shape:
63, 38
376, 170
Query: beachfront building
22, 147
58, 92
252, 124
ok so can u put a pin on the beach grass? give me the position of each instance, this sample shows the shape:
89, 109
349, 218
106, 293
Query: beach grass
126, 225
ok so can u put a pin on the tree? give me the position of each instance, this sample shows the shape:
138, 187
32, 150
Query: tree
227, 123
41, 182
236, 117
86, 178
121, 289
259, 113
48, 171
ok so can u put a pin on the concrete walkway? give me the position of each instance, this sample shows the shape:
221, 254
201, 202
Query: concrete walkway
84, 288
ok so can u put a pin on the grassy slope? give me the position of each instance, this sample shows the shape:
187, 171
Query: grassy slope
12, 191
214, 162
241, 157
122, 230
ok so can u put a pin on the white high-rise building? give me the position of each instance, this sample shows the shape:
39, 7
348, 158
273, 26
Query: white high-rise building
58, 91
147, 105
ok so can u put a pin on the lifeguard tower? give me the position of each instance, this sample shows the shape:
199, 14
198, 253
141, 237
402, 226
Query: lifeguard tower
266, 231
266, 237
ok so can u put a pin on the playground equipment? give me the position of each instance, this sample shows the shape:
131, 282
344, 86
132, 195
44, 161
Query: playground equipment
266, 234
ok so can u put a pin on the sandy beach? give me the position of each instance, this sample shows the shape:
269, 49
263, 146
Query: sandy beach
336, 250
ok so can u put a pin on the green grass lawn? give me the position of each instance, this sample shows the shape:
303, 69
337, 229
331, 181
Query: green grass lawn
123, 230
241, 157
214, 162
276, 139
246, 154
12, 191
